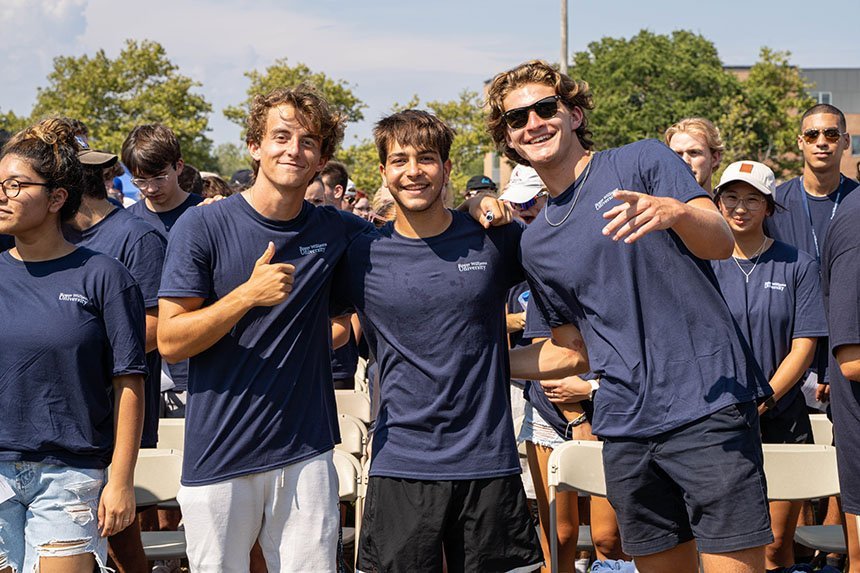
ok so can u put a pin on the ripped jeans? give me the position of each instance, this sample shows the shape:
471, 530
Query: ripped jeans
53, 513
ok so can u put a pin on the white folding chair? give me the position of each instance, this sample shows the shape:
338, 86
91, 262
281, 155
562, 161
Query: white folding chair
822, 429
350, 489
805, 471
156, 480
521, 447
573, 466
353, 403
353, 436
171, 433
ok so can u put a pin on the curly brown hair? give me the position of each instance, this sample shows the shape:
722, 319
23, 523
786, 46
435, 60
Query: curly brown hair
51, 150
573, 93
312, 111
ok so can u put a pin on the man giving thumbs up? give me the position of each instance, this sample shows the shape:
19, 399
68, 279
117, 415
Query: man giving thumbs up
261, 417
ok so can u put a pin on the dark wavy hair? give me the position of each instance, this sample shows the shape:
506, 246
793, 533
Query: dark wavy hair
51, 151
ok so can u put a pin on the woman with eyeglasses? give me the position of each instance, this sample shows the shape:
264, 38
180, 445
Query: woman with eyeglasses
774, 294
71, 366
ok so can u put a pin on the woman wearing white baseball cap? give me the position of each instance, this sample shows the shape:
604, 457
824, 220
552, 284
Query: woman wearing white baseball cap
773, 291
525, 193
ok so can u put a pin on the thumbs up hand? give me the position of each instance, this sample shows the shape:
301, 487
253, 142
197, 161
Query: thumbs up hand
270, 284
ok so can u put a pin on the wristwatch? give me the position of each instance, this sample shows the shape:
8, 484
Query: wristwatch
769, 403
595, 384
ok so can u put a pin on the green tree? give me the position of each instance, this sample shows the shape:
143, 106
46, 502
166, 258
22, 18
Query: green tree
465, 115
111, 96
231, 157
646, 83
471, 142
761, 121
281, 74
12, 122
362, 162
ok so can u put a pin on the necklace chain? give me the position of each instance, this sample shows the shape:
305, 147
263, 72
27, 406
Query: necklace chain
575, 198
755, 264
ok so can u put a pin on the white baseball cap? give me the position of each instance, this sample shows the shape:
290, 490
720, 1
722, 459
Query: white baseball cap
756, 174
523, 185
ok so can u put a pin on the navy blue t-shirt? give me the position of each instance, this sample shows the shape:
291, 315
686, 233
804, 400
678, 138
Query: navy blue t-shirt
781, 301
344, 360
840, 270
138, 246
794, 225
262, 396
69, 326
518, 295
163, 222
433, 314
658, 332
6, 242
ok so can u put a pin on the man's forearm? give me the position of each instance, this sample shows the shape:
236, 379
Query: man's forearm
848, 358
183, 333
705, 232
546, 360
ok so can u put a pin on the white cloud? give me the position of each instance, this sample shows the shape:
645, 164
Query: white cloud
34, 32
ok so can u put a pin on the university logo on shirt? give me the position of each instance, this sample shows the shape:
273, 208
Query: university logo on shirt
313, 249
474, 266
78, 298
774, 285
603, 201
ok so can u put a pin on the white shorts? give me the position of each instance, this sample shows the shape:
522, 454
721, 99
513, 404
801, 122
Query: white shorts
292, 510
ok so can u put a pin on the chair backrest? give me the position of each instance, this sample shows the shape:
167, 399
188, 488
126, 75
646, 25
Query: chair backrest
348, 475
800, 471
822, 429
353, 435
518, 424
171, 433
578, 465
353, 403
156, 476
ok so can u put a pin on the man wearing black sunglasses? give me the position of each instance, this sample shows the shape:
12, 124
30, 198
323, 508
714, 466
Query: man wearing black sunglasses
618, 258
811, 201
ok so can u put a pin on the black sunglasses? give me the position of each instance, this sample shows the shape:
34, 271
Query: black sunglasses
831, 134
519, 117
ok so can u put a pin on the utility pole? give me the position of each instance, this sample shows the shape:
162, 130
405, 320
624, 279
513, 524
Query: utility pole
563, 60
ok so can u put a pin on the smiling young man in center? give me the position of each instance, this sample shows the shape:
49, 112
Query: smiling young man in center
445, 470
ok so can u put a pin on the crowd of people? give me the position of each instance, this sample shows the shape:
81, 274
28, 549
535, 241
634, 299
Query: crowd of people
629, 299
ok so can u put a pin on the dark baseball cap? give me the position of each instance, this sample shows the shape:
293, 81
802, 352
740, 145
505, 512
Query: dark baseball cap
91, 157
480, 182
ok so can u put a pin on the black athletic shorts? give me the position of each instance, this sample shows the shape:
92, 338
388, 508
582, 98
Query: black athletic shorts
704, 480
484, 525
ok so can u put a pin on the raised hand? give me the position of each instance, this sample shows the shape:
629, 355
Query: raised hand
639, 214
270, 283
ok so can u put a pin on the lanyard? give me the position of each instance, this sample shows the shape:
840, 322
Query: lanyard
809, 213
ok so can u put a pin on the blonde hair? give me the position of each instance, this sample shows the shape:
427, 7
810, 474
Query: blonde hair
698, 126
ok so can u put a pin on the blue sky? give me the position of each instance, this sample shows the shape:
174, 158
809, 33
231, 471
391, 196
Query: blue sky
390, 50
